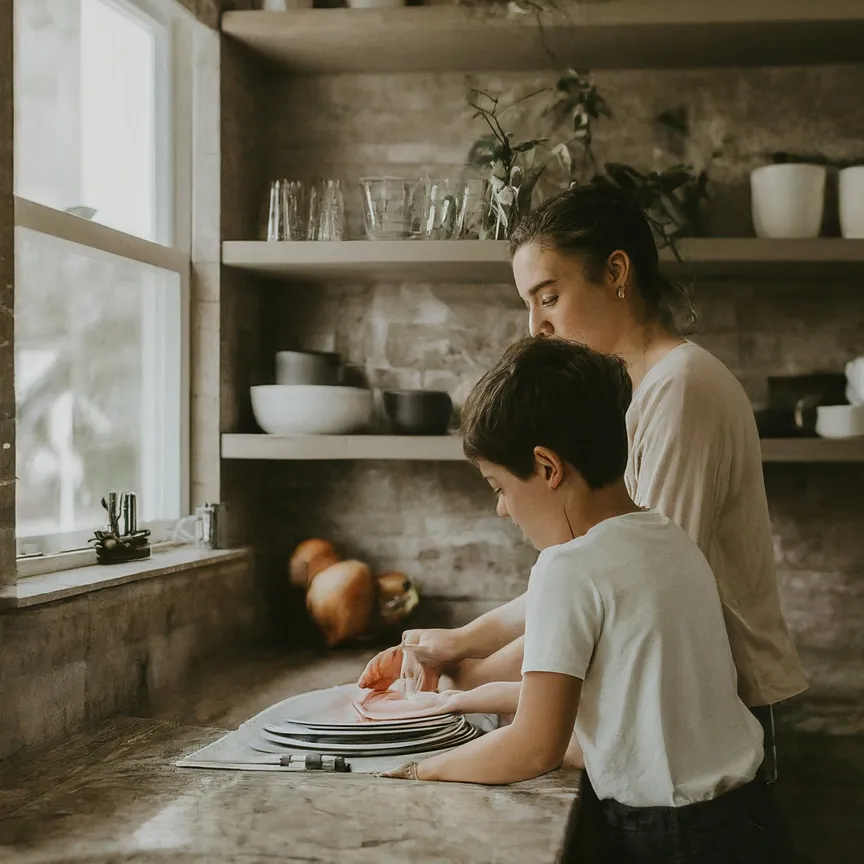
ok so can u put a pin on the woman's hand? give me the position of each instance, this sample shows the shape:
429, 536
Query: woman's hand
432, 648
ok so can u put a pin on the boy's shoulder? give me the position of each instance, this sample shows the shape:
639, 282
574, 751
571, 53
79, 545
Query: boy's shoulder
635, 542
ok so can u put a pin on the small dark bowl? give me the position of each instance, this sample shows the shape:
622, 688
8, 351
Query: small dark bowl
417, 412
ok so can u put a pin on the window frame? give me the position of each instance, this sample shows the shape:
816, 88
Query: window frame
173, 157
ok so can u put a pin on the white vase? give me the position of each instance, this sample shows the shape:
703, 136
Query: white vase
852, 202
788, 200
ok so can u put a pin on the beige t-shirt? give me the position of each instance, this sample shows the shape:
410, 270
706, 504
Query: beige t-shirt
695, 457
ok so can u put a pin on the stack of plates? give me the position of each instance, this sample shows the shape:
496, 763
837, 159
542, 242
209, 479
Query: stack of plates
382, 738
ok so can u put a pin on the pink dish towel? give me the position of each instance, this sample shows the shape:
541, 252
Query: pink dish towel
393, 705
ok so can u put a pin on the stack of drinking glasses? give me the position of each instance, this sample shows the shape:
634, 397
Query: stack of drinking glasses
306, 211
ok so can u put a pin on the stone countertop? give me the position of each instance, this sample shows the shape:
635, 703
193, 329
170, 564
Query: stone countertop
112, 794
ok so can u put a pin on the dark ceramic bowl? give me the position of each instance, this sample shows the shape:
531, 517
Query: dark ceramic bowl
307, 367
417, 412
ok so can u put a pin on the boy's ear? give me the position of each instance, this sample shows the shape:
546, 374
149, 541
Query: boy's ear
551, 466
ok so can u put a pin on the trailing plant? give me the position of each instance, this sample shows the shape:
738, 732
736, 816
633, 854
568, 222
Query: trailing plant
669, 198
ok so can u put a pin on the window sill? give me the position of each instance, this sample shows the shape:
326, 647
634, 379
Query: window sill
48, 587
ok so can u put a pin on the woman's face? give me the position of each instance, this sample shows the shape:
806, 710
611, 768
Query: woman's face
562, 302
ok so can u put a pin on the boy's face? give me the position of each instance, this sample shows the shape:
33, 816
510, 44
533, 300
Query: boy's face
532, 504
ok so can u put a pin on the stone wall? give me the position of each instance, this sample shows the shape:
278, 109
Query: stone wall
110, 651
436, 521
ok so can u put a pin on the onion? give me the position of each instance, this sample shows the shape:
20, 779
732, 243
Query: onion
397, 597
309, 559
341, 601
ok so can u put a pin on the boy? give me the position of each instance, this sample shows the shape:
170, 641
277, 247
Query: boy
624, 634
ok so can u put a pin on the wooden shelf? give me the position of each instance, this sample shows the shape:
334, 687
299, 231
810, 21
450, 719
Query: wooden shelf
448, 448
487, 261
428, 448
813, 449
618, 34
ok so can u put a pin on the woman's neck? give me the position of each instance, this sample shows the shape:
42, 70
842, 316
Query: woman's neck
643, 346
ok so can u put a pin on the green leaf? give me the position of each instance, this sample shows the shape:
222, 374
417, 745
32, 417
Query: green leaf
525, 146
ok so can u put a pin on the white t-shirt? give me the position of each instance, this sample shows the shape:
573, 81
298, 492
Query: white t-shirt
632, 609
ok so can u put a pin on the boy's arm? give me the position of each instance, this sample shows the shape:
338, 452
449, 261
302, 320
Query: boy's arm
533, 744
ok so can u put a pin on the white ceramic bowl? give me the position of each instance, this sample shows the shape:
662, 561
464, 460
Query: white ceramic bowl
840, 421
311, 409
788, 200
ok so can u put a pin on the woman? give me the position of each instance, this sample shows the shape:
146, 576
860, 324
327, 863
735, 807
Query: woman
586, 266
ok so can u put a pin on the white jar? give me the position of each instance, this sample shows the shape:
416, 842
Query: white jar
840, 421
788, 200
852, 202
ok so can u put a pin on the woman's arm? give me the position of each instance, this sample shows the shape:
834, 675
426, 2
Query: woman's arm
533, 744
499, 697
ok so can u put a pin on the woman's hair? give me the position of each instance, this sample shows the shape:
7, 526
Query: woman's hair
592, 222
551, 393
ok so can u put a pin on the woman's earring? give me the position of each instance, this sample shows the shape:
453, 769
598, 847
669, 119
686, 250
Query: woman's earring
620, 292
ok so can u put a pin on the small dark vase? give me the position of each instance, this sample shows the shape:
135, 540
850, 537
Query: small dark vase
417, 412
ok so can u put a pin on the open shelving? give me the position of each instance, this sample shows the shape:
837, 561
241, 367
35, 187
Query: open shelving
629, 34
823, 258
448, 448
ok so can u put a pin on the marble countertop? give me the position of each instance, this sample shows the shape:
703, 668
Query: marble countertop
112, 794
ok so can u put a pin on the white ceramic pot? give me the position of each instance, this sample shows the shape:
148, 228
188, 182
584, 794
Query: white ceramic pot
852, 202
311, 409
375, 4
840, 421
788, 200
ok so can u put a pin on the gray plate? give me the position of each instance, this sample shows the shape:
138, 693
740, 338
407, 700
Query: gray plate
449, 738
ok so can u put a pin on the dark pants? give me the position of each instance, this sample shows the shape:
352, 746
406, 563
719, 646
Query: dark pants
739, 827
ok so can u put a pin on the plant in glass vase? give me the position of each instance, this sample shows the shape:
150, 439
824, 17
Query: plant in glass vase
511, 166
514, 167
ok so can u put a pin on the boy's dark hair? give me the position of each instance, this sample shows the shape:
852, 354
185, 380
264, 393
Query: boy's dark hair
548, 392
590, 223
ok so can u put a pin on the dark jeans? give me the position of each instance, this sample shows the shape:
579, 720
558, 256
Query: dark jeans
739, 827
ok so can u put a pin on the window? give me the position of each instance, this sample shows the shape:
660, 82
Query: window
101, 264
